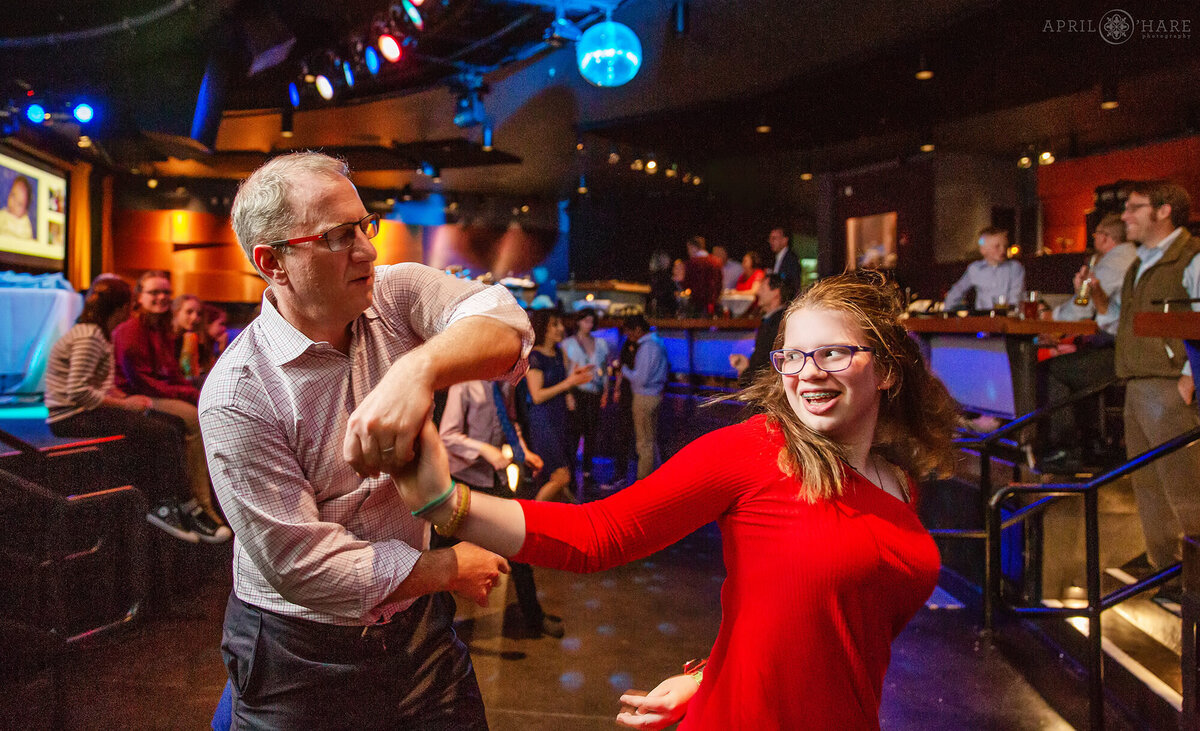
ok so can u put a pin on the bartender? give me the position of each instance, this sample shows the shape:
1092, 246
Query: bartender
993, 277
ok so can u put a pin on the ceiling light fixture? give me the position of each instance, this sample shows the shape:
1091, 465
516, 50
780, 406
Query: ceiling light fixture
763, 129
83, 112
390, 48
1108, 95
286, 120
806, 176
582, 189
924, 73
1046, 158
927, 147
608, 54
371, 59
651, 167
324, 87
1024, 162
488, 133
408, 9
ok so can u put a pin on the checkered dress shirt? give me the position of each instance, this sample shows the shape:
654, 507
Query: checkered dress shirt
313, 540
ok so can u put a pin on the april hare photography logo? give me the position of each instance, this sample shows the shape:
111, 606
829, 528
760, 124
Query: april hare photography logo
1116, 27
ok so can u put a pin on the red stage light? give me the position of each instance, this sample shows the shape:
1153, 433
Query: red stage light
390, 48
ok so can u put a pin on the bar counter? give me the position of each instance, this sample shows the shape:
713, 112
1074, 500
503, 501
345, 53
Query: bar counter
697, 347
989, 364
1184, 325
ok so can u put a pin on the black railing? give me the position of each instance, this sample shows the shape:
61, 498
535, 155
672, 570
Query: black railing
998, 440
994, 597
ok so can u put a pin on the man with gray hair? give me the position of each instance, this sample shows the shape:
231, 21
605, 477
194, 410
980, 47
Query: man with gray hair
339, 615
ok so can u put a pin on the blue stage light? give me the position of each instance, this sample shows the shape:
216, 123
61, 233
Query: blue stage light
294, 94
371, 59
35, 113
608, 54
348, 74
83, 112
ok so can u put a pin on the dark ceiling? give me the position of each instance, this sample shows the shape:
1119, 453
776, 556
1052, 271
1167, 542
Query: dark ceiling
833, 80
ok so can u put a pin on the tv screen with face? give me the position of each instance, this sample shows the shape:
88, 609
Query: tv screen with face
33, 215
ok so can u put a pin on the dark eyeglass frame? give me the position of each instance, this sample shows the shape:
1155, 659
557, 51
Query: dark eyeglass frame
811, 355
362, 224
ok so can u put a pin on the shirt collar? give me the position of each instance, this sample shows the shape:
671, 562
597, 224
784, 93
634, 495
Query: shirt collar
644, 338
1168, 240
281, 341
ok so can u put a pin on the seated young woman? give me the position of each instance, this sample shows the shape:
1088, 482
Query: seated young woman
826, 560
83, 401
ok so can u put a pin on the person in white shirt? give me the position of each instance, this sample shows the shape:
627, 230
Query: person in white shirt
339, 614
1090, 360
993, 277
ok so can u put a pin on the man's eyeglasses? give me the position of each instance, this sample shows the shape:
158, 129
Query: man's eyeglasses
341, 236
1134, 206
830, 358
158, 292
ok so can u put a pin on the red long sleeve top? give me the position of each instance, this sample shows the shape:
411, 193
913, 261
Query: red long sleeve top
814, 594
147, 364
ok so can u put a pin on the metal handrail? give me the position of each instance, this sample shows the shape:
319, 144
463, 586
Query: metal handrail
1036, 415
1053, 492
986, 443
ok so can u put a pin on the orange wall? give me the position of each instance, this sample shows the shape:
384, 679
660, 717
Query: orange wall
1067, 188
203, 256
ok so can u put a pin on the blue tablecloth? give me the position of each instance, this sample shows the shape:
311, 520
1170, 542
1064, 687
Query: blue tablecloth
31, 321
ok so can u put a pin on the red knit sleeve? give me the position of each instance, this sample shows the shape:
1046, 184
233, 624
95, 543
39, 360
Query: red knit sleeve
703, 481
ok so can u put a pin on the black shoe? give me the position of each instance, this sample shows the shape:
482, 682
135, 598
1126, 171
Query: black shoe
1170, 599
166, 516
207, 529
548, 626
1060, 462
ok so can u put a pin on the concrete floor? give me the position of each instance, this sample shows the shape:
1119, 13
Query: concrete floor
629, 627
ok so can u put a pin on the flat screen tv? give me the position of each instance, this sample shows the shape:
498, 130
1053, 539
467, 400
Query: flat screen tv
33, 215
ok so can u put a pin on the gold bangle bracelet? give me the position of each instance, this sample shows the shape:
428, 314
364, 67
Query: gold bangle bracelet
460, 513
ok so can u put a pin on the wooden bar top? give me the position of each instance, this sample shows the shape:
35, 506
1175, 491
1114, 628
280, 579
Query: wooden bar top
690, 323
999, 326
1183, 325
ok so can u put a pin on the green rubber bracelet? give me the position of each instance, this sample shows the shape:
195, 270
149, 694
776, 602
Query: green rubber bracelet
436, 501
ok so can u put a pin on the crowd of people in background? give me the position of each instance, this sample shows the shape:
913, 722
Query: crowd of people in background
133, 365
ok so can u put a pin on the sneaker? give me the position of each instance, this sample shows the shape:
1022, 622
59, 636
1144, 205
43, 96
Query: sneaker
207, 529
166, 516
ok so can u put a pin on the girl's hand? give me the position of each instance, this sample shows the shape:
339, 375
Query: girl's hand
662, 706
427, 476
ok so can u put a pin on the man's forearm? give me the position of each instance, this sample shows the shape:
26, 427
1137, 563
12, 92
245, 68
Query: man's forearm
430, 574
474, 348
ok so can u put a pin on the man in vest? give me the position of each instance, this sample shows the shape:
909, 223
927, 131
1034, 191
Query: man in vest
1160, 392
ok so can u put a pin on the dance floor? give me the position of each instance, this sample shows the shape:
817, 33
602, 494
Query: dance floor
625, 628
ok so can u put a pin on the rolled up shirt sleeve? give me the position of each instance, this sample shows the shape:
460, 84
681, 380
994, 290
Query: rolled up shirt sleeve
433, 301
273, 510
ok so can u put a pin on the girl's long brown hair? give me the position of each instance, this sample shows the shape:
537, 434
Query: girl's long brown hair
916, 414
